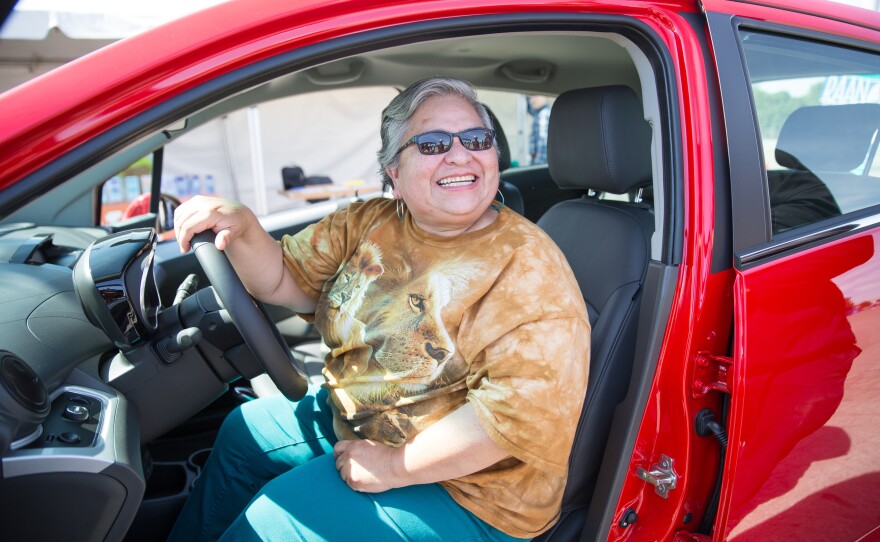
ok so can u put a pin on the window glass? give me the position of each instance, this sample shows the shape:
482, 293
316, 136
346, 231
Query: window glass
289, 153
274, 156
524, 120
124, 192
818, 109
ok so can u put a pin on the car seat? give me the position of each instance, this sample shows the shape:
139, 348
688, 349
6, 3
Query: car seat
512, 196
825, 149
599, 139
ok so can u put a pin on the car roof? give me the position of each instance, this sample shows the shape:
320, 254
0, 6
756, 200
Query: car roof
73, 104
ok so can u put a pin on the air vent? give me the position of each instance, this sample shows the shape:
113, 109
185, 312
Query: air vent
23, 384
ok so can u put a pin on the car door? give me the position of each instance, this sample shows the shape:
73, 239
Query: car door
803, 452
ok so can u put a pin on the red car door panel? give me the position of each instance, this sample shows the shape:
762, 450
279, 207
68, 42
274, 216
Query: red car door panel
803, 451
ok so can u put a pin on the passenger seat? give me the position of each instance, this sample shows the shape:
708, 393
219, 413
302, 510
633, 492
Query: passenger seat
512, 196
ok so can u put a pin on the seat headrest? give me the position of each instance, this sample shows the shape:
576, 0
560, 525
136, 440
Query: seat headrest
598, 138
500, 141
827, 137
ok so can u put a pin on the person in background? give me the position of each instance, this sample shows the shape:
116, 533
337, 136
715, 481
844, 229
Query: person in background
459, 352
539, 109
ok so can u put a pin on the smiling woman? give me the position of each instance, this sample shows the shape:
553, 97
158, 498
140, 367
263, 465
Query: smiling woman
448, 190
418, 351
422, 389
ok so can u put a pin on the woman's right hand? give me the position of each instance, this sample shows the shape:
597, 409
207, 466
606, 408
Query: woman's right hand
228, 219
258, 260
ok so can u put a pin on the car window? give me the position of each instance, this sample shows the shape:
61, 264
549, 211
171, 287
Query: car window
287, 153
273, 156
524, 119
122, 193
818, 108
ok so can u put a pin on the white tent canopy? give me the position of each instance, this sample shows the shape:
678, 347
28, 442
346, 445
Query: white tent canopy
93, 19
40, 35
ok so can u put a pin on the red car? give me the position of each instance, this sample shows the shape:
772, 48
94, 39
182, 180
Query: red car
712, 180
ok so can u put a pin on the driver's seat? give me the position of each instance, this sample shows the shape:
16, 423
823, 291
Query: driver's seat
599, 139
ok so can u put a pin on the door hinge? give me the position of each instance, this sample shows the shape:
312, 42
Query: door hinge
710, 373
662, 476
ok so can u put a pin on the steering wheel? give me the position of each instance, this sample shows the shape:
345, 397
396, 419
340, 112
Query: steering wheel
250, 317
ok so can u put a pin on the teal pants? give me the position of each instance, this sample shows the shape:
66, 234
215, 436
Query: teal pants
272, 476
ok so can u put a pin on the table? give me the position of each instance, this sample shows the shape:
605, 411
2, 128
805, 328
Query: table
326, 191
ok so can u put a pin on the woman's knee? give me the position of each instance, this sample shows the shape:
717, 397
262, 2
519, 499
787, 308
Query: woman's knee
292, 433
301, 505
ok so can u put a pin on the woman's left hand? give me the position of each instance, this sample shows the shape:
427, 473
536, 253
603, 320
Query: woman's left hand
453, 446
366, 465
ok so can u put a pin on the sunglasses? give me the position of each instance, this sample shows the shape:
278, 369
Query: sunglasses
437, 142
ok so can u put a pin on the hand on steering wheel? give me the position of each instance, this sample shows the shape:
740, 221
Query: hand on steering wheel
250, 317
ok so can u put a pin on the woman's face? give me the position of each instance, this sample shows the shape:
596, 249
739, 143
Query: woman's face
447, 193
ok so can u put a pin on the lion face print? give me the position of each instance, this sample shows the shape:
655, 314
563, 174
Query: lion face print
409, 338
384, 324
493, 319
340, 328
364, 267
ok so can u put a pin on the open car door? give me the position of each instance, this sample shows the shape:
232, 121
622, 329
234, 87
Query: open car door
803, 446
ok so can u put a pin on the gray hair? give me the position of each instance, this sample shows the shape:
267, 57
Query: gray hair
396, 117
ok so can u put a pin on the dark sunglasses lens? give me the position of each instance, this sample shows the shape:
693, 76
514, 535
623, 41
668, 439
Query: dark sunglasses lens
434, 142
477, 139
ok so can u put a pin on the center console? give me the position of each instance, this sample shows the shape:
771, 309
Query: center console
78, 475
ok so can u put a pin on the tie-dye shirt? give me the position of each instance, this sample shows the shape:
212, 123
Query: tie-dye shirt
418, 324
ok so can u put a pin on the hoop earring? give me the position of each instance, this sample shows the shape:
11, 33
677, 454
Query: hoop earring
500, 205
401, 208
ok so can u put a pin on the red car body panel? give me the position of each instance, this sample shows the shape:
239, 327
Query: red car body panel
702, 306
807, 413
699, 318
833, 18
801, 461
804, 408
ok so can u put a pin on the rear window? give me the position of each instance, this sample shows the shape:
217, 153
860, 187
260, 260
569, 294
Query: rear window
818, 108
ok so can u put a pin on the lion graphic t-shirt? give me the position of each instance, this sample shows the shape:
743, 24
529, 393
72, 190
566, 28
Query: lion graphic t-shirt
418, 325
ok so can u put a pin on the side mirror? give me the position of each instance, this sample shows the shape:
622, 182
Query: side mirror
167, 205
137, 215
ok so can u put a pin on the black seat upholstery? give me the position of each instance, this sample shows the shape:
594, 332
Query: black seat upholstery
599, 139
512, 196
822, 146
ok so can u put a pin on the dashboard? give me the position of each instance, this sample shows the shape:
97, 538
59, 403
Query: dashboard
89, 373
41, 319
68, 440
